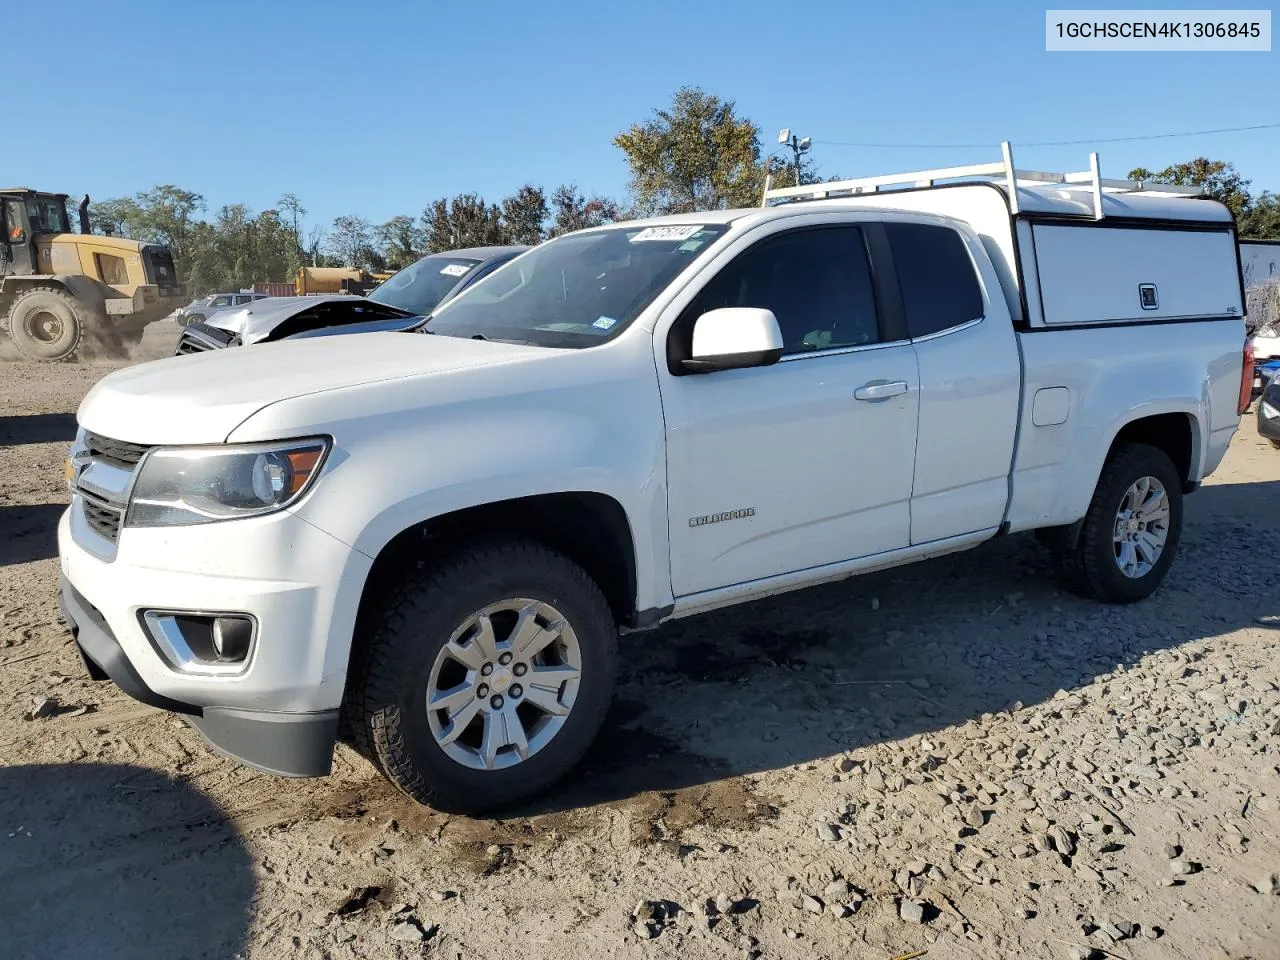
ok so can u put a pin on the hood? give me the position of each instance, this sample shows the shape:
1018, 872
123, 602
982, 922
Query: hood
255, 322
365, 326
202, 397
121, 244
230, 319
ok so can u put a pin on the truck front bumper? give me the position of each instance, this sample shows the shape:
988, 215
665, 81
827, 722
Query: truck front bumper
279, 713
290, 745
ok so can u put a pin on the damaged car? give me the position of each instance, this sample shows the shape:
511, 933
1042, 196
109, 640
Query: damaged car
402, 302
276, 318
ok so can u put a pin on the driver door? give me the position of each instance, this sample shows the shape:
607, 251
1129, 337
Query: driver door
806, 462
18, 245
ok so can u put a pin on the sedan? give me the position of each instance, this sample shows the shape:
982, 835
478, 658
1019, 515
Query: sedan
399, 303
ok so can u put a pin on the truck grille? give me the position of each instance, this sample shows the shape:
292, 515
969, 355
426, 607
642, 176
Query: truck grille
103, 516
119, 452
104, 507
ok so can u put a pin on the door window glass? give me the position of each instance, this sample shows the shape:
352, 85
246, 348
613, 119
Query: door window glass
13, 222
817, 283
111, 270
939, 287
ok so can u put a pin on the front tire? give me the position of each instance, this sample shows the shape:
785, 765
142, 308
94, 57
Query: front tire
1131, 533
45, 324
483, 679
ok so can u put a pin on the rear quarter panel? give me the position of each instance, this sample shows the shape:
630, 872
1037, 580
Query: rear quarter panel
1115, 375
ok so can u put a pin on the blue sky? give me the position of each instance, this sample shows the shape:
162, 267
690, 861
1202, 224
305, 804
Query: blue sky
379, 108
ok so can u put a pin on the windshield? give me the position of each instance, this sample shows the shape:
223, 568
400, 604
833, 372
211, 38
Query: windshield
48, 215
419, 287
577, 290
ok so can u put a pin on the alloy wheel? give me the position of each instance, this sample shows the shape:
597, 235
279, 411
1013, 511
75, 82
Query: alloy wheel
503, 686
1141, 527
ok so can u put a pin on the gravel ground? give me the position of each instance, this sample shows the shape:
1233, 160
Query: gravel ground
952, 759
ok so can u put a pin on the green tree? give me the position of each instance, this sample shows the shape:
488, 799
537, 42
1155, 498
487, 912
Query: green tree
784, 173
1219, 179
203, 270
524, 215
400, 242
292, 212
352, 240
317, 241
163, 214
233, 229
1257, 217
1261, 219
572, 211
697, 154
465, 221
276, 254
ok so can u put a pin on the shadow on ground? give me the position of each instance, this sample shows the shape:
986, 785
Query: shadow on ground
37, 428
29, 532
117, 861
808, 675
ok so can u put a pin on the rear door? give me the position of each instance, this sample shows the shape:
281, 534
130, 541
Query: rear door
806, 462
970, 381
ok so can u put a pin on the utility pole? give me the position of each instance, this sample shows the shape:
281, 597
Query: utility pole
798, 145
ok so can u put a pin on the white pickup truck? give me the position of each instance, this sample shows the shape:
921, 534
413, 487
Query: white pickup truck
426, 543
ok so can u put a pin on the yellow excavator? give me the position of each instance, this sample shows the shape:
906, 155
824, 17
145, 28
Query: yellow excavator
65, 293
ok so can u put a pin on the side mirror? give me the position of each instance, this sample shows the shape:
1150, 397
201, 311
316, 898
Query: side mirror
734, 337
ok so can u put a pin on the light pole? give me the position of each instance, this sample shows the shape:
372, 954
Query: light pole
798, 145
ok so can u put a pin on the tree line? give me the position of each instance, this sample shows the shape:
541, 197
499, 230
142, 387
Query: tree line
698, 153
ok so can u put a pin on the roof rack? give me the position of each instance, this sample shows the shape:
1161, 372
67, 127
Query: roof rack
1004, 171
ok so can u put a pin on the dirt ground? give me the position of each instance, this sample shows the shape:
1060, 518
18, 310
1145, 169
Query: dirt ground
952, 760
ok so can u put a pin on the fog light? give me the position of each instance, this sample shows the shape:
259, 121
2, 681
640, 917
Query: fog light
231, 638
203, 643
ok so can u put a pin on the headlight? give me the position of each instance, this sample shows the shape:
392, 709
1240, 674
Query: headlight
178, 486
69, 465
1269, 411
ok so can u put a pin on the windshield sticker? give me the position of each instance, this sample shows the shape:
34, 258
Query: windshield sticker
690, 246
455, 270
667, 233
604, 323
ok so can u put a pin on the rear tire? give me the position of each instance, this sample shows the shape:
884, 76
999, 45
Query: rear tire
45, 324
419, 626
1094, 567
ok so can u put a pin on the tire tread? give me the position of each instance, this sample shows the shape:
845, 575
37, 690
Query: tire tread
377, 730
68, 300
1077, 568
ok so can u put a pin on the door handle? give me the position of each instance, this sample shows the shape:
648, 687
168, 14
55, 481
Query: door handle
880, 390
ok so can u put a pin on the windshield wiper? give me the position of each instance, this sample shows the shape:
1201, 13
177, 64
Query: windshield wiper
519, 343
